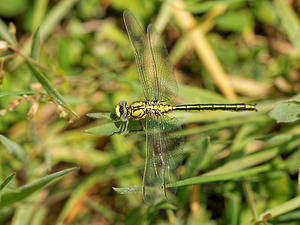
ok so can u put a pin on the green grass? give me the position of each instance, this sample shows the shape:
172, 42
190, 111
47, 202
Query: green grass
70, 62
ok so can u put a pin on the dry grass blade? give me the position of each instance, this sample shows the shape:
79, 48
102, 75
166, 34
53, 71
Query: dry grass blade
203, 49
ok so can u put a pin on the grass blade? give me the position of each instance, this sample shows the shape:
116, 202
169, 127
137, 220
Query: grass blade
279, 138
283, 208
11, 197
49, 89
55, 16
39, 12
221, 177
104, 129
100, 115
13, 148
6, 181
35, 47
289, 21
113, 127
203, 179
9, 93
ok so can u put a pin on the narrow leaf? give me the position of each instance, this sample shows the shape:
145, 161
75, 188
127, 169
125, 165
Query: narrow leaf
11, 197
104, 129
54, 17
5, 34
202, 179
49, 89
236, 21
6, 181
283, 208
100, 115
290, 22
220, 177
35, 47
13, 148
279, 138
9, 93
115, 127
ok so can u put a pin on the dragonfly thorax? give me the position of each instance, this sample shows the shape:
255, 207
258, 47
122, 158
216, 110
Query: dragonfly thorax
146, 109
141, 110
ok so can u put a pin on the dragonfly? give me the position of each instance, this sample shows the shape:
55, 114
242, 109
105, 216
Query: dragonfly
163, 150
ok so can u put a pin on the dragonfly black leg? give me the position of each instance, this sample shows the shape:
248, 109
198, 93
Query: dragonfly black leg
125, 126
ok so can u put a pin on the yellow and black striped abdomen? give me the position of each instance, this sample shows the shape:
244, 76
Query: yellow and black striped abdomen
216, 107
147, 109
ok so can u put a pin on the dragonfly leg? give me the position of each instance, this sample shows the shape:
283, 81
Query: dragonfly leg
123, 129
125, 126
142, 126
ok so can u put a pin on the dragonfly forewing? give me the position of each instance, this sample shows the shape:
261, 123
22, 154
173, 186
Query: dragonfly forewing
163, 73
139, 43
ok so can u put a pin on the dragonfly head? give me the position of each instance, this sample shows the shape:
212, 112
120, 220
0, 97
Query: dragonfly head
121, 111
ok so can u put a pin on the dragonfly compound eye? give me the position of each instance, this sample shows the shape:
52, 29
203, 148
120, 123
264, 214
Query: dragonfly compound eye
117, 111
121, 111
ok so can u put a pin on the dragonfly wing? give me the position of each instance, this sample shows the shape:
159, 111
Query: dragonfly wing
155, 70
173, 152
153, 166
162, 69
158, 81
163, 156
139, 43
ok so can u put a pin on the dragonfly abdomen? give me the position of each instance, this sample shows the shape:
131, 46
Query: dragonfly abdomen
216, 107
147, 109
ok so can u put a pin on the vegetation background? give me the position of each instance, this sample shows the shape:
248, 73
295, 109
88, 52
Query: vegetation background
61, 58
